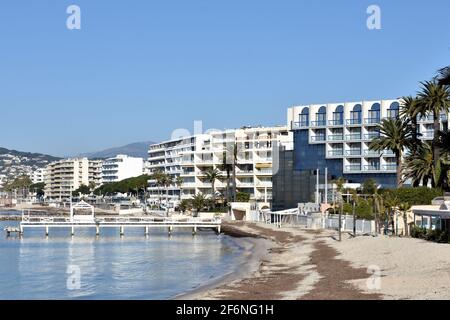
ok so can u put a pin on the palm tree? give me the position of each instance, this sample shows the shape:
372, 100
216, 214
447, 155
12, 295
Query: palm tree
391, 203
395, 136
444, 76
435, 99
404, 207
444, 143
212, 175
411, 109
340, 188
159, 177
198, 202
230, 161
179, 182
378, 206
228, 168
420, 166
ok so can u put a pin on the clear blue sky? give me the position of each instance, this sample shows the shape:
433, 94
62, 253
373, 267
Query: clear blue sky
139, 69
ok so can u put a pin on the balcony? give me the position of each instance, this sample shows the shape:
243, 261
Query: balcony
371, 121
353, 122
339, 122
372, 153
372, 167
318, 138
353, 168
336, 137
336, 153
353, 152
353, 136
371, 136
300, 125
319, 123
389, 167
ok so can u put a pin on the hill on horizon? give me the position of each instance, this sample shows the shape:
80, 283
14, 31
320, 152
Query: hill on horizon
136, 149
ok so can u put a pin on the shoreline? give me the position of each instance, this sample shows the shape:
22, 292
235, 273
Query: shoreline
299, 264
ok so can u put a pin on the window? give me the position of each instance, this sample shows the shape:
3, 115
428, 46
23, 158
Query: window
304, 118
338, 116
393, 110
374, 114
355, 115
321, 117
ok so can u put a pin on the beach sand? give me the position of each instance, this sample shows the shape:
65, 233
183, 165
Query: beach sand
311, 265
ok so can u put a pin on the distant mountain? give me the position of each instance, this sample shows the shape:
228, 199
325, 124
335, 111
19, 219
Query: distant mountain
137, 149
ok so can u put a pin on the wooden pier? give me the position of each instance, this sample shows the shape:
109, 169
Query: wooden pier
146, 223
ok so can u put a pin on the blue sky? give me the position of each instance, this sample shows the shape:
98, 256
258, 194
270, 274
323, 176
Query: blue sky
139, 69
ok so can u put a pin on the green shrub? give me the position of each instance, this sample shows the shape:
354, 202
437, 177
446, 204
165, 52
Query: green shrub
242, 197
416, 196
364, 210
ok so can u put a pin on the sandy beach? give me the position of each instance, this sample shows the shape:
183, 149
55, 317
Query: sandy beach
311, 265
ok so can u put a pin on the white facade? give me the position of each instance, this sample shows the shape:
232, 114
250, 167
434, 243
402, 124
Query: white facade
64, 176
347, 130
191, 157
38, 176
121, 167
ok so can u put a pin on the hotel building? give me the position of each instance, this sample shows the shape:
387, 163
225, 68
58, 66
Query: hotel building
64, 176
121, 167
336, 137
192, 157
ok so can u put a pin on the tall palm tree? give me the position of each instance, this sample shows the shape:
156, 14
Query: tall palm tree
158, 177
198, 202
444, 76
391, 202
395, 136
213, 174
404, 207
228, 168
230, 162
411, 109
179, 182
435, 98
420, 166
444, 143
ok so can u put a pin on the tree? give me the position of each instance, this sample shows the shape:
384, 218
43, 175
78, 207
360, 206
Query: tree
242, 197
179, 182
395, 136
212, 175
404, 207
370, 186
38, 188
83, 190
198, 202
340, 188
228, 168
443, 76
420, 166
185, 205
391, 202
411, 109
435, 99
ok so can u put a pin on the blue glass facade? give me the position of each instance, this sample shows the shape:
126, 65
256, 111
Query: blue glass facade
309, 157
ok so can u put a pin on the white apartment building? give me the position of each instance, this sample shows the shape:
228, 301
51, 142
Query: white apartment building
38, 176
191, 157
121, 167
64, 176
346, 130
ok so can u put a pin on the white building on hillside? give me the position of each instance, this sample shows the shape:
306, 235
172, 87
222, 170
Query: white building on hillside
38, 176
121, 167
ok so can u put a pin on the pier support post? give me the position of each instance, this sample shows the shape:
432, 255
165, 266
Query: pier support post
194, 231
97, 230
46, 231
219, 229
146, 231
72, 231
122, 231
170, 230
21, 230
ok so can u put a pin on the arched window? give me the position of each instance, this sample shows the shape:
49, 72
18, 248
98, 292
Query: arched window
338, 116
355, 115
321, 117
394, 110
374, 114
304, 117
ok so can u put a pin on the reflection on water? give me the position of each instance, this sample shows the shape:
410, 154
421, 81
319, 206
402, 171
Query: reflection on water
131, 267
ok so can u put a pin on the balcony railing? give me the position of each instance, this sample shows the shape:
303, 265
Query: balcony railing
353, 167
371, 136
300, 125
354, 136
339, 122
319, 123
318, 138
335, 153
336, 137
372, 153
371, 120
353, 121
352, 152
389, 167
372, 167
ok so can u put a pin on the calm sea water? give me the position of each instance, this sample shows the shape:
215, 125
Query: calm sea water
132, 267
